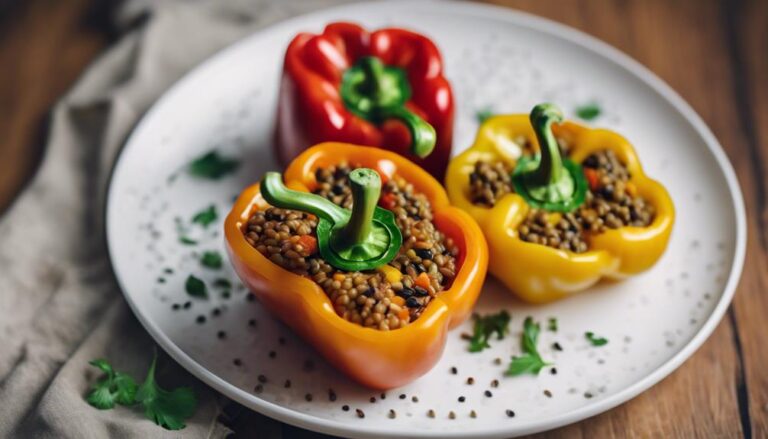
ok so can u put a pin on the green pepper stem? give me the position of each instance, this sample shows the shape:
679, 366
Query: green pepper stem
366, 188
423, 135
377, 92
277, 194
550, 169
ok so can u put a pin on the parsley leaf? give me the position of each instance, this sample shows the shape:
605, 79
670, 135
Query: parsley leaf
552, 326
186, 240
196, 287
596, 341
588, 112
212, 166
222, 283
525, 363
485, 327
211, 259
530, 361
483, 114
167, 409
115, 388
206, 216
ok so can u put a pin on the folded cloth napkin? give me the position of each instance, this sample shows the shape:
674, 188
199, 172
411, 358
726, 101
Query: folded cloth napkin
59, 304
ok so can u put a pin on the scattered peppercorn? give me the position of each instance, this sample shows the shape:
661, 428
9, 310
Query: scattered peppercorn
556, 346
221, 334
497, 361
495, 383
360, 413
372, 399
237, 362
216, 312
262, 378
547, 393
510, 413
252, 322
331, 395
415, 398
345, 408
175, 307
392, 414
402, 396
553, 371
454, 370
272, 354
287, 384
462, 399
488, 393
187, 305
308, 397
200, 319
259, 388
281, 340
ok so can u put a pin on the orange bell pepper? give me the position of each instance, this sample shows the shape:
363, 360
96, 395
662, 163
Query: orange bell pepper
377, 359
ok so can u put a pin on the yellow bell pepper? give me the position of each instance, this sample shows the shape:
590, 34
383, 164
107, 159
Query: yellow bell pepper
538, 273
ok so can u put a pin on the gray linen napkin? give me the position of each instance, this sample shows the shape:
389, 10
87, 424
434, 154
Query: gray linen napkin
59, 304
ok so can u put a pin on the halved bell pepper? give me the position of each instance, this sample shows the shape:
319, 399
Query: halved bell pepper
377, 359
384, 88
538, 273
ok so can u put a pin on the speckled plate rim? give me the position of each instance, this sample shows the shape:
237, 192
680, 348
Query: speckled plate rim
520, 19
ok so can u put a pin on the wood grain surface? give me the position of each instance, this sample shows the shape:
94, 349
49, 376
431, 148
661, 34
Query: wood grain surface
713, 52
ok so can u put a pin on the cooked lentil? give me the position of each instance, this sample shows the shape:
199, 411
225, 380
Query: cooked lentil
384, 299
611, 202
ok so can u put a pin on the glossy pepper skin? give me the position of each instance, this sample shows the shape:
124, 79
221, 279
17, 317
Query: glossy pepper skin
377, 359
537, 273
311, 109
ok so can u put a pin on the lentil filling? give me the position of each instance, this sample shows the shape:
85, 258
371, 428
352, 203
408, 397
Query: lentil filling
386, 298
611, 202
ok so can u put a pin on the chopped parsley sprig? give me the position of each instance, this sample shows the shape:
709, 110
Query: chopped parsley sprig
213, 166
530, 361
485, 327
595, 340
168, 409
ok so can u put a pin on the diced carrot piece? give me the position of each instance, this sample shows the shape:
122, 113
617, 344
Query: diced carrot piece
397, 300
309, 243
592, 178
422, 280
339, 277
631, 189
403, 314
388, 201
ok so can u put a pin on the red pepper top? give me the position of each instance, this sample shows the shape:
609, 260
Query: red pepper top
312, 108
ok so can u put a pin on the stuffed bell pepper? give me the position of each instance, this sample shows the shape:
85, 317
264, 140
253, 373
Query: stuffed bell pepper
359, 251
561, 205
384, 88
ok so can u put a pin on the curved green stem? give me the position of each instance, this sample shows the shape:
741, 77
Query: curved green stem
277, 194
550, 169
377, 92
551, 182
366, 188
363, 239
423, 135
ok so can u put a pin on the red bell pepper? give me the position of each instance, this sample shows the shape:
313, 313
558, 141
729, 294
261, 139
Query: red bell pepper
385, 88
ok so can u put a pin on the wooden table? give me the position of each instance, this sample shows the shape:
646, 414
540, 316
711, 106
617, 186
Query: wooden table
713, 52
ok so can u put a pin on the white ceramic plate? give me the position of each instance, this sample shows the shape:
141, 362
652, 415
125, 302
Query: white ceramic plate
497, 59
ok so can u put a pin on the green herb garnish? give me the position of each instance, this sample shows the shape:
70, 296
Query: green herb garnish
596, 341
212, 166
485, 327
167, 409
115, 388
552, 326
222, 283
530, 361
196, 287
483, 114
211, 259
206, 216
186, 240
588, 112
